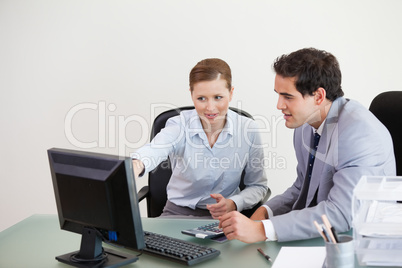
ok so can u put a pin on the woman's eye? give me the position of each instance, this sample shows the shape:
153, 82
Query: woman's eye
218, 97
201, 98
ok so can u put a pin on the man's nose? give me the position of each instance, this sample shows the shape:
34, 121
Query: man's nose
280, 105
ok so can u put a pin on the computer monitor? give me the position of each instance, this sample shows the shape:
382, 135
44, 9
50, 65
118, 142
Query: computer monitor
96, 197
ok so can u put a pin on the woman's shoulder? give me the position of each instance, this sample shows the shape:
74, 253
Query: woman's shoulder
183, 119
188, 113
244, 119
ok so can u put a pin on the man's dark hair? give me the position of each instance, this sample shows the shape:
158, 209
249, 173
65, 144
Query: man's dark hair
312, 69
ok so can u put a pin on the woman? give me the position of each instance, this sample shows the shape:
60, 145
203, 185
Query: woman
209, 147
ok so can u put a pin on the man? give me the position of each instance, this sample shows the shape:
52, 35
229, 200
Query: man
351, 143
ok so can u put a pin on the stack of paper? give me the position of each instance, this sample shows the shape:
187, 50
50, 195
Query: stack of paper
300, 257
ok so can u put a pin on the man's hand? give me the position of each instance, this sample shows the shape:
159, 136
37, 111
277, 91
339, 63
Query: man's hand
237, 226
221, 207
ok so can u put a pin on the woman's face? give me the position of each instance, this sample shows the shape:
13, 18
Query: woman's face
211, 100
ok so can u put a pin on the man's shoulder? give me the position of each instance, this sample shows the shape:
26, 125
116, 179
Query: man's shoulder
356, 124
351, 113
355, 115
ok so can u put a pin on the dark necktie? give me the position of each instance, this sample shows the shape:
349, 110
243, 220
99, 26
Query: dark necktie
301, 202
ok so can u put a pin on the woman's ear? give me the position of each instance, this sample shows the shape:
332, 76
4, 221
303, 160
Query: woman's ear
231, 94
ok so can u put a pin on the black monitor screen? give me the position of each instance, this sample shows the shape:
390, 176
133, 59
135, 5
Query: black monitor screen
96, 194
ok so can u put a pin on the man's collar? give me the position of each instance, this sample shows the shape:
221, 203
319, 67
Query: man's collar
320, 128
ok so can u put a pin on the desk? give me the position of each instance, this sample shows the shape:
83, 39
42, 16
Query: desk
35, 241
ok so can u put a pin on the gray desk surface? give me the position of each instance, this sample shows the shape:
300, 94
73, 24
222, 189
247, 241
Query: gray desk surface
35, 241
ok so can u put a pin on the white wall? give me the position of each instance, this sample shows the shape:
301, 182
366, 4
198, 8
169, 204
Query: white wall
131, 60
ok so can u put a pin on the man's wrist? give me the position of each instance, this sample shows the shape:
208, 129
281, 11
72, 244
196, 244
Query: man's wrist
269, 229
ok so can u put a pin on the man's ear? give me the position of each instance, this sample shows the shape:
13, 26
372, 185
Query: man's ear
320, 95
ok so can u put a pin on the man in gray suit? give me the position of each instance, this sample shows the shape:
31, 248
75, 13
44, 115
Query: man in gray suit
351, 143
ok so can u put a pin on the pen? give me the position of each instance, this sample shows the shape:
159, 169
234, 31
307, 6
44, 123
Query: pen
325, 232
329, 228
334, 233
263, 254
320, 231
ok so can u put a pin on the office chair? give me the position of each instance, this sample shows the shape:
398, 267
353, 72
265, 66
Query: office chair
387, 107
158, 179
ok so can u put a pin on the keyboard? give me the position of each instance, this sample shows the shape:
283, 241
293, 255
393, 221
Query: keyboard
207, 231
177, 250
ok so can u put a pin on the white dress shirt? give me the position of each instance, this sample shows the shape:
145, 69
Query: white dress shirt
199, 170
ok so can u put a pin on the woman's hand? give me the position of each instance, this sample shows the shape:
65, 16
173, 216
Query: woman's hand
138, 167
221, 207
260, 214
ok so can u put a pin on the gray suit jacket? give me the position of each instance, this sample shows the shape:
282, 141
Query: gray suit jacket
353, 143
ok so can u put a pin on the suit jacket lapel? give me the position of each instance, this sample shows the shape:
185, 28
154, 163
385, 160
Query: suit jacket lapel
327, 135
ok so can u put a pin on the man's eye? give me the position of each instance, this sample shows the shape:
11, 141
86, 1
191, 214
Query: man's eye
218, 97
201, 98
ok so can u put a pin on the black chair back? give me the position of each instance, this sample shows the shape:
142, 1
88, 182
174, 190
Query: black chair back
387, 107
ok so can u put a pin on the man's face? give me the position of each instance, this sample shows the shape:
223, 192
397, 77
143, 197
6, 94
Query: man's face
297, 109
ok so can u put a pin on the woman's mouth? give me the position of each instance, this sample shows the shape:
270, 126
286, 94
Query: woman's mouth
211, 116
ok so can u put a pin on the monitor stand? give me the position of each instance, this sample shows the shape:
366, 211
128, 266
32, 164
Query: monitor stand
92, 254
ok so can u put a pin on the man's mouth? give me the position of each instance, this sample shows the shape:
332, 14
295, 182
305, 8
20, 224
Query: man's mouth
286, 116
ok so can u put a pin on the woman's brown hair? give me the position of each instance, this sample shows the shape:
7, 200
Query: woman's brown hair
211, 69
